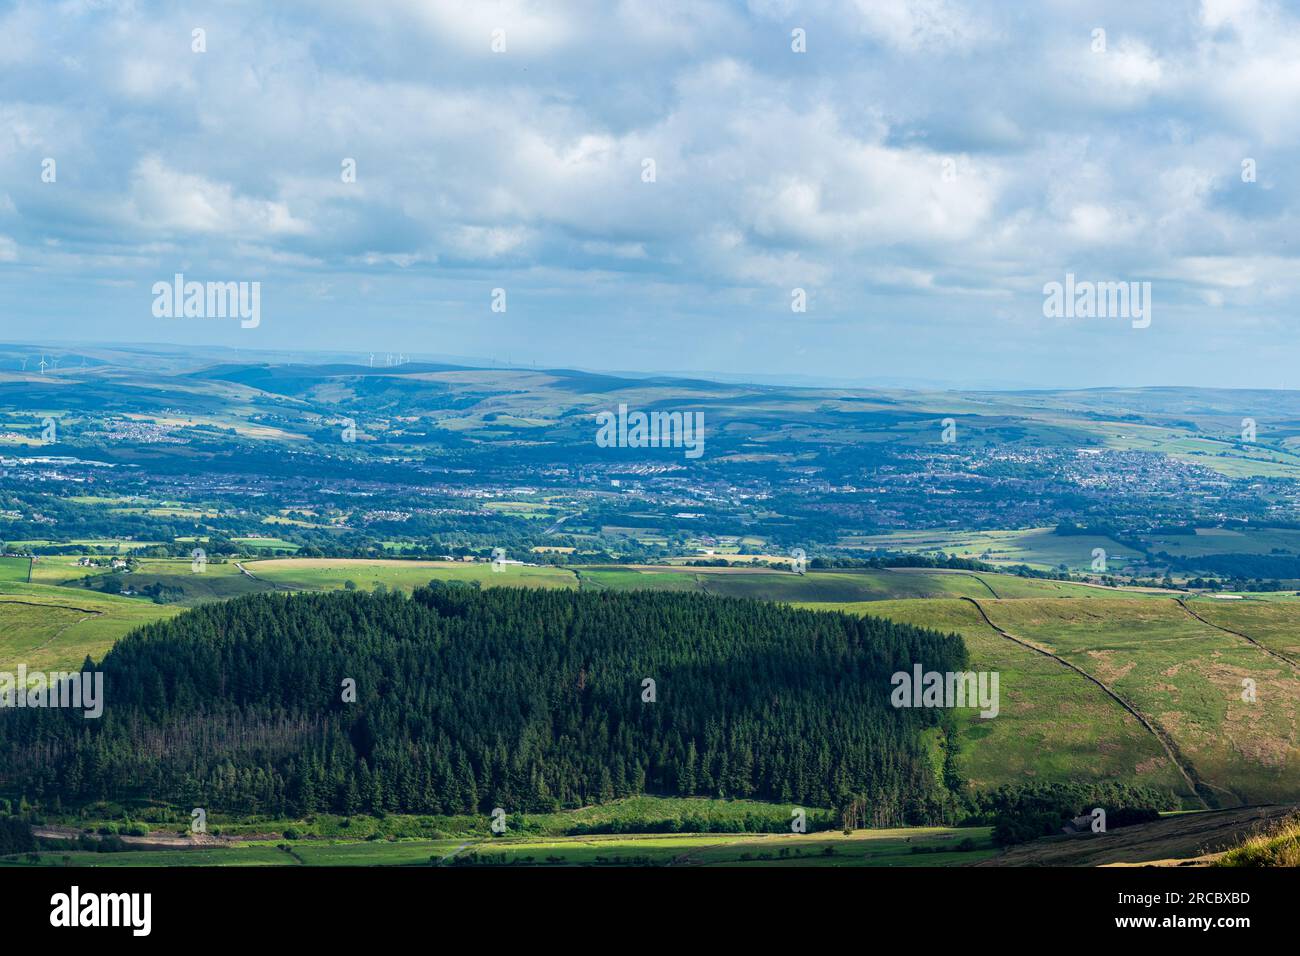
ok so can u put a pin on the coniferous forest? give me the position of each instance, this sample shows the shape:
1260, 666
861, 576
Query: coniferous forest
468, 699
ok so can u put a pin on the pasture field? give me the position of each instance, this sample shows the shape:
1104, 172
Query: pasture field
311, 574
627, 579
1208, 541
123, 545
1010, 586
1054, 725
860, 848
1187, 678
216, 582
62, 569
1274, 624
523, 509
15, 568
266, 544
52, 628
1039, 548
918, 846
841, 586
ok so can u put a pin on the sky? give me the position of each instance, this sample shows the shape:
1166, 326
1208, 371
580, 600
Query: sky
649, 184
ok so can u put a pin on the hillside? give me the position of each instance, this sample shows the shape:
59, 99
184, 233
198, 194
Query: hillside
468, 699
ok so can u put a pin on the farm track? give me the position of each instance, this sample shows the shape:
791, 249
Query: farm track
60, 632
154, 841
1185, 839
1198, 787
274, 585
1245, 637
454, 852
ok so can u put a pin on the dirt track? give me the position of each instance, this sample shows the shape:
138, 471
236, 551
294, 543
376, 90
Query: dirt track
1186, 839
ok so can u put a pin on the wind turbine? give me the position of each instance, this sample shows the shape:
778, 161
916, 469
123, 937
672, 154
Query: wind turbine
24, 363
42, 364
372, 359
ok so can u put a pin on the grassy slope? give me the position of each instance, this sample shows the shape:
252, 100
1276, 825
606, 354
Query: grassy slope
1187, 678
1274, 624
216, 582
1277, 845
331, 573
840, 586
52, 628
1037, 547
1053, 726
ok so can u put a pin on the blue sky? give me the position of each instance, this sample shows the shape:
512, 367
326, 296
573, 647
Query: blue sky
922, 170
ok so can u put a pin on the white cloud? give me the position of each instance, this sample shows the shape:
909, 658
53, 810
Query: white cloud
1235, 13
825, 171
616, 250
914, 25
166, 199
487, 242
531, 27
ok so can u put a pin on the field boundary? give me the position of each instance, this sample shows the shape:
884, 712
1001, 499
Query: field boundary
1245, 637
1198, 787
66, 607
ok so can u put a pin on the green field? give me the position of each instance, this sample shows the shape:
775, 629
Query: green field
642, 829
1274, 624
332, 573
51, 628
1053, 725
1039, 548
918, 846
1186, 678
266, 544
15, 569
1208, 541
841, 586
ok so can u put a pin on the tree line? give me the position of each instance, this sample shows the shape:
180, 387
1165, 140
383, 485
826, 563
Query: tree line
469, 699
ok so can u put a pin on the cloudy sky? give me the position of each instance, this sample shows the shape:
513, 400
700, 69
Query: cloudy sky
921, 171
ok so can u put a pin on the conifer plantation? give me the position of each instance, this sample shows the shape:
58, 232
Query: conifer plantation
468, 699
